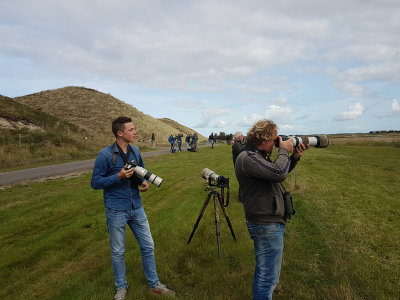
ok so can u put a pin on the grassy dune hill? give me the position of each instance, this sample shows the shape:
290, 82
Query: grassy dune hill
29, 135
94, 111
181, 128
15, 112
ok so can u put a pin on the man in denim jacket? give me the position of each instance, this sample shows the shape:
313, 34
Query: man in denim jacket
124, 206
261, 192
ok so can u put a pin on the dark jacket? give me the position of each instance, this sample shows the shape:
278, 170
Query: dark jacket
237, 147
260, 184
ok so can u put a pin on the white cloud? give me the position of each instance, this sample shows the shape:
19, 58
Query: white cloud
353, 89
394, 110
395, 107
352, 113
211, 117
382, 71
285, 127
275, 113
250, 120
218, 123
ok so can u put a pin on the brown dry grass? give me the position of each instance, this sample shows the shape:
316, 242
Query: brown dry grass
366, 139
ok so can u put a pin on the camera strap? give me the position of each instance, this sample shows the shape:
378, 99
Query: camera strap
282, 188
125, 157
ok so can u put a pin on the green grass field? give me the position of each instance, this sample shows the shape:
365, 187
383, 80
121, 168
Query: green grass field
343, 242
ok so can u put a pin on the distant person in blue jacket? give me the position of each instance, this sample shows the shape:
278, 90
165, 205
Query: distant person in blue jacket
171, 140
123, 205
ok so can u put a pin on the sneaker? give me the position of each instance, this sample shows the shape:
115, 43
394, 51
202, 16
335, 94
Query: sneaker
162, 290
120, 295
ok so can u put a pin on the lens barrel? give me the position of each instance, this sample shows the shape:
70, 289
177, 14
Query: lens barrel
318, 141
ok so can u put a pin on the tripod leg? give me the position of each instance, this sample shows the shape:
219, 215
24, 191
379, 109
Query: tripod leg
199, 218
217, 225
221, 203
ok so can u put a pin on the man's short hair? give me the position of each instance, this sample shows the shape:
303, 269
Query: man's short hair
262, 130
119, 124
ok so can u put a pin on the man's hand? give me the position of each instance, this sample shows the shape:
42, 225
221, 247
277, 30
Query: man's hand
124, 174
299, 151
145, 186
288, 144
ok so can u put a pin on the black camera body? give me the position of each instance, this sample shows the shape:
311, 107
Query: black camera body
284, 138
222, 181
130, 165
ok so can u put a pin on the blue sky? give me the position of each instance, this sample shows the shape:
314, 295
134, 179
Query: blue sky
311, 66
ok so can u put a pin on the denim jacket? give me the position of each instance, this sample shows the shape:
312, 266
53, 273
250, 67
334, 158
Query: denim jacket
118, 194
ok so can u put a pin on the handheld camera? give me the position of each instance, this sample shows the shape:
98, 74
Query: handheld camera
143, 173
317, 141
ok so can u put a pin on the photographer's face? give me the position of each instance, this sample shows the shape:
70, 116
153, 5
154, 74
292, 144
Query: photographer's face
129, 133
268, 146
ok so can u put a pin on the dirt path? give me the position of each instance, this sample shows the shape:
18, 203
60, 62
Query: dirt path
60, 170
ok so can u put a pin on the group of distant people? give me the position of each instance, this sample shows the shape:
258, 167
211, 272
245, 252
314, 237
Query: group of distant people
176, 142
191, 142
213, 139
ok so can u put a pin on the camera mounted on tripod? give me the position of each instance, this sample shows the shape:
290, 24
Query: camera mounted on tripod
215, 180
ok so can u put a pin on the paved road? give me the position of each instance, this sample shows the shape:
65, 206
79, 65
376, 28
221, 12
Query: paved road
9, 178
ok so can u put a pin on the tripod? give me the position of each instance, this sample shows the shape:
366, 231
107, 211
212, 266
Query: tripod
220, 199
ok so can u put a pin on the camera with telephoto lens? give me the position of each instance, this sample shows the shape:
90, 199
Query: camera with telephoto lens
143, 173
318, 141
220, 181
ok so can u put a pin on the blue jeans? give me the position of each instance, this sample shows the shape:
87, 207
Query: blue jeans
268, 248
138, 223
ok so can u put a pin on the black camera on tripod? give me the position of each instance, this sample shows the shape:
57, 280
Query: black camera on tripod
214, 181
220, 181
